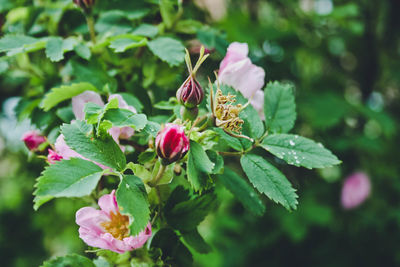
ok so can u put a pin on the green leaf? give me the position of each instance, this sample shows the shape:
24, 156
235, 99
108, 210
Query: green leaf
54, 49
124, 117
146, 156
269, 180
132, 200
233, 142
218, 161
83, 51
140, 171
152, 128
187, 214
198, 166
64, 92
174, 252
67, 178
279, 107
14, 44
66, 114
123, 42
72, 260
92, 72
104, 150
188, 26
146, 30
133, 101
242, 191
166, 105
299, 151
168, 49
196, 241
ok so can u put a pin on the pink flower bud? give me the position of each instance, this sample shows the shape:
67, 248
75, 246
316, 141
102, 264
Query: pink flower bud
52, 157
356, 189
190, 94
172, 144
32, 140
84, 4
107, 228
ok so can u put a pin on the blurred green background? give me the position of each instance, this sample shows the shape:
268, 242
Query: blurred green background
343, 58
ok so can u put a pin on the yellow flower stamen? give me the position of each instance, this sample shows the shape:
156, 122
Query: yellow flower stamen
118, 226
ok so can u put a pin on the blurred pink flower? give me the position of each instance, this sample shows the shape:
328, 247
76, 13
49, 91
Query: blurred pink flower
79, 101
237, 70
32, 140
356, 189
107, 228
52, 157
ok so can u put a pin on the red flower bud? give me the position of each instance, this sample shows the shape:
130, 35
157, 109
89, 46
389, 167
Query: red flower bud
52, 157
32, 140
171, 143
84, 4
190, 94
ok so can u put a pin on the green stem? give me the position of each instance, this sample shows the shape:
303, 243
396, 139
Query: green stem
160, 173
90, 23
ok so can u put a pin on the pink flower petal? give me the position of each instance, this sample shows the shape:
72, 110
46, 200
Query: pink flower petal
237, 71
91, 219
258, 103
108, 203
243, 76
79, 101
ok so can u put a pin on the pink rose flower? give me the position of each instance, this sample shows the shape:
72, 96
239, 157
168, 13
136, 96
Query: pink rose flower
356, 189
107, 228
171, 143
32, 140
52, 157
237, 71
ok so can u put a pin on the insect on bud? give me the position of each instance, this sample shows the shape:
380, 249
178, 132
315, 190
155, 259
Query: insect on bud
33, 140
171, 143
190, 94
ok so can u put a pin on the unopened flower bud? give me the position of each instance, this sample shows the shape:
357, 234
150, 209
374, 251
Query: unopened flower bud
52, 157
84, 4
190, 94
33, 140
171, 143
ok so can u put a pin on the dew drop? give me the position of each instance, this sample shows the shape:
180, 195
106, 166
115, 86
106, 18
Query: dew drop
291, 142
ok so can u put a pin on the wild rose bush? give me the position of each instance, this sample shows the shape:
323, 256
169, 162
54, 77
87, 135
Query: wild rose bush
147, 162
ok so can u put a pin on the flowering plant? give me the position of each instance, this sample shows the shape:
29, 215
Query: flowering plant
152, 164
